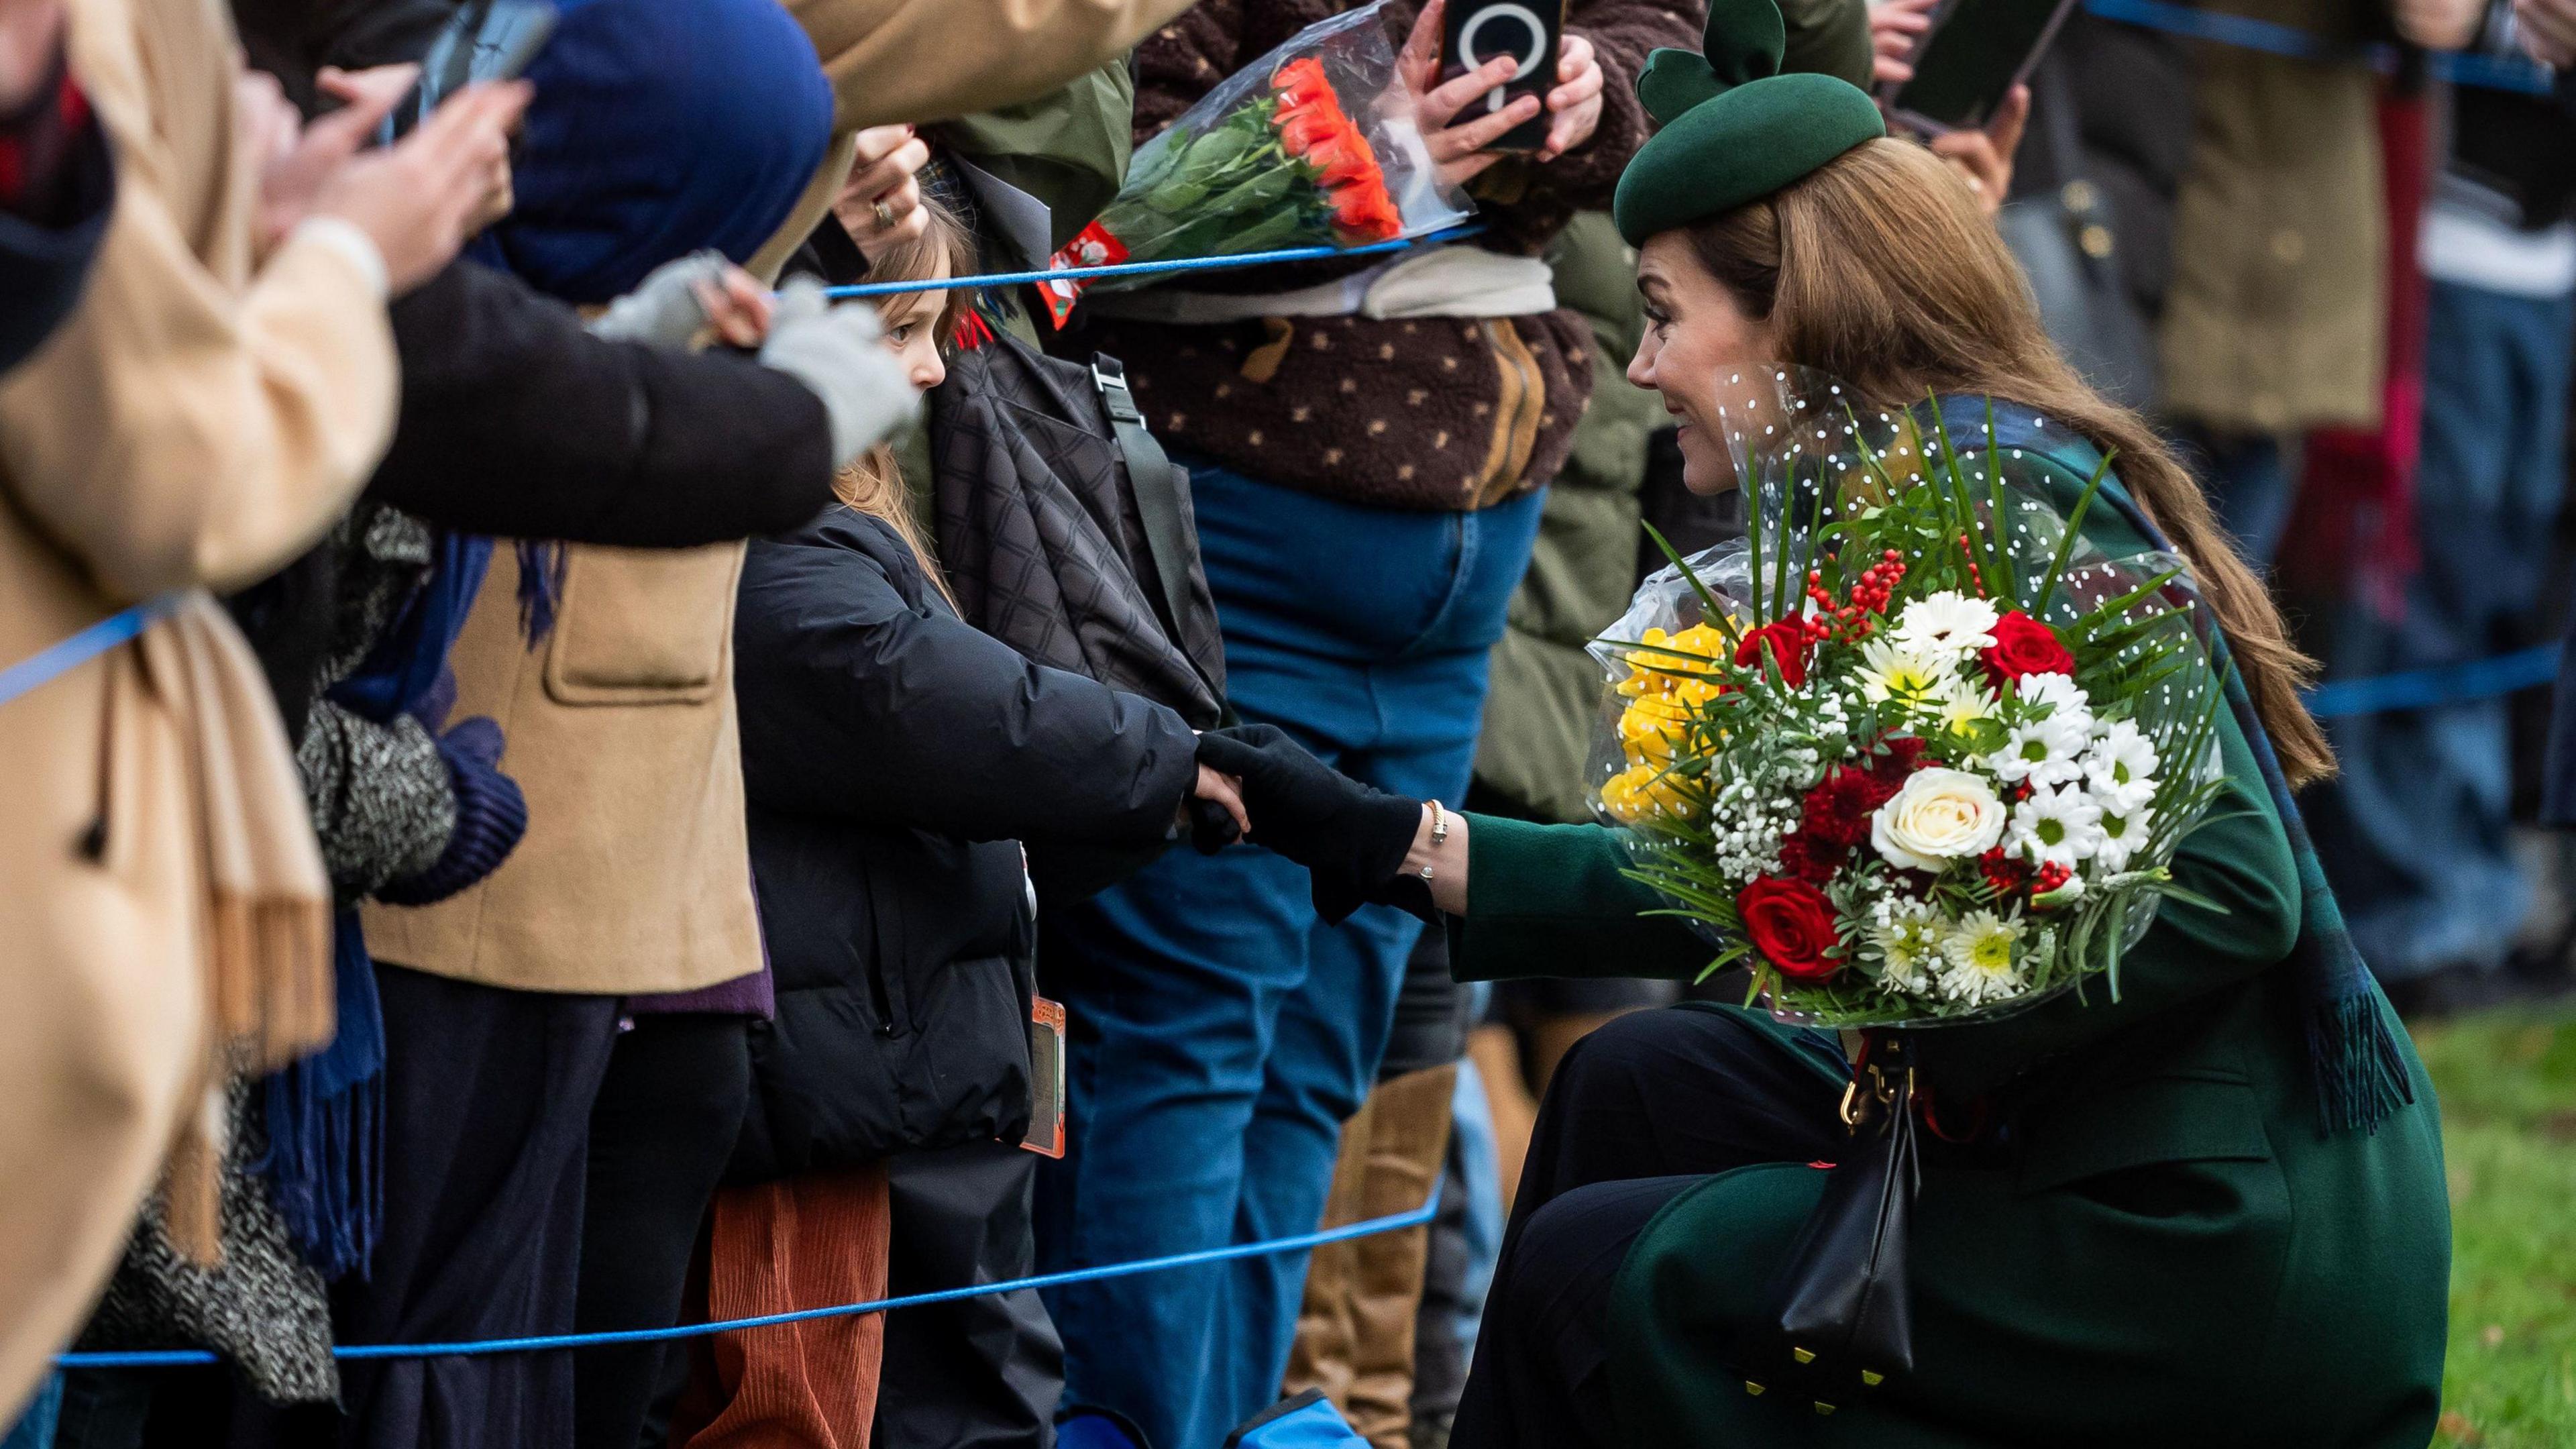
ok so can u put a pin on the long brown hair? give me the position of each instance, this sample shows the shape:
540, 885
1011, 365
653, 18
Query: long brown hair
872, 483
1880, 269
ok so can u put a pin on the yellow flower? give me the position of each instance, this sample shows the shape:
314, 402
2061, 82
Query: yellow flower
1651, 728
1642, 791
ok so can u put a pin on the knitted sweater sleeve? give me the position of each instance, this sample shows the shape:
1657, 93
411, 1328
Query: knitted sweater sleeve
382, 803
1623, 33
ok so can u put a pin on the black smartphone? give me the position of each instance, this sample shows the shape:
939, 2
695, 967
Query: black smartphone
1474, 33
488, 40
1975, 53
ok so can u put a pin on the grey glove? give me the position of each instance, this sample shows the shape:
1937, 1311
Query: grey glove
664, 308
835, 351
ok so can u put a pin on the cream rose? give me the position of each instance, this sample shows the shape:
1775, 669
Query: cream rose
1939, 816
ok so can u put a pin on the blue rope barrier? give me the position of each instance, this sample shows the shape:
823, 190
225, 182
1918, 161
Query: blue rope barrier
2492, 72
177, 1357
2432, 688
63, 656
1140, 269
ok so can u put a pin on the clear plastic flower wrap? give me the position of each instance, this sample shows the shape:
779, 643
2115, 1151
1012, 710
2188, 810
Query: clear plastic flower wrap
1914, 749
1314, 144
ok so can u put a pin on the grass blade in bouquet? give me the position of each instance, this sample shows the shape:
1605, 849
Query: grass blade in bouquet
1314, 144
1914, 750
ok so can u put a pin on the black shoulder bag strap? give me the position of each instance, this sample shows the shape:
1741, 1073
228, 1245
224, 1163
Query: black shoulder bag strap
1156, 482
1150, 474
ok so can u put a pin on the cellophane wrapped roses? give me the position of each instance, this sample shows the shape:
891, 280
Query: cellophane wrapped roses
1314, 144
1914, 749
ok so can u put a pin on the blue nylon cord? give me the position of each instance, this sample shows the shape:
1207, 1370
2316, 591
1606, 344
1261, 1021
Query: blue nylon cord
165, 1358
1139, 269
2444, 684
2246, 33
60, 658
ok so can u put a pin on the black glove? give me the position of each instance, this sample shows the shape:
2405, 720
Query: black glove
1350, 837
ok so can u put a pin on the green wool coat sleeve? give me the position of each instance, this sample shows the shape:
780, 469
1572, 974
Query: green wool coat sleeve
1551, 900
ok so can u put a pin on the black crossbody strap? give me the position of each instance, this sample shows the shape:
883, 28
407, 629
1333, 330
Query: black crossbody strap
1157, 483
1153, 475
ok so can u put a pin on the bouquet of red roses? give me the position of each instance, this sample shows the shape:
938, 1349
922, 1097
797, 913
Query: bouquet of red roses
1914, 749
1312, 145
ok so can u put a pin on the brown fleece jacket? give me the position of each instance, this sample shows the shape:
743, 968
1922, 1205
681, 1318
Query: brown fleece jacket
1434, 413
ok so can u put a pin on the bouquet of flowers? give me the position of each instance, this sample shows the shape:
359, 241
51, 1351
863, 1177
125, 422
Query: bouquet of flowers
1914, 749
1313, 144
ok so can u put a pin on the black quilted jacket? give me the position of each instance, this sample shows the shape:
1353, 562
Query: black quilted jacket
894, 758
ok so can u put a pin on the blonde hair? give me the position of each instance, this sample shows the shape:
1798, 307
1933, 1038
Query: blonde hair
872, 483
1880, 269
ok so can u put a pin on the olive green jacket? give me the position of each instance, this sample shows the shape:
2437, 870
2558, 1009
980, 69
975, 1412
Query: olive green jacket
2277, 317
2170, 1253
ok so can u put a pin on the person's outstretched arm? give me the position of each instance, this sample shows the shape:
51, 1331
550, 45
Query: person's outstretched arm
517, 421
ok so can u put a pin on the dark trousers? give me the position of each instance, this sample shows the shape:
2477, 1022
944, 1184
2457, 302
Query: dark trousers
487, 1120
661, 1130
1639, 1110
976, 1373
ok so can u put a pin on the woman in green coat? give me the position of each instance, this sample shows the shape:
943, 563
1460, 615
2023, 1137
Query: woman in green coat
2150, 1222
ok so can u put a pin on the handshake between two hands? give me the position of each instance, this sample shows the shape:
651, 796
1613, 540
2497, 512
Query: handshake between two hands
1352, 838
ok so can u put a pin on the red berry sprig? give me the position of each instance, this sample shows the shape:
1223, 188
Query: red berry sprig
1855, 618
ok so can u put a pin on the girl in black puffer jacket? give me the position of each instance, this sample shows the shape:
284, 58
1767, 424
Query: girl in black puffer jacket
895, 759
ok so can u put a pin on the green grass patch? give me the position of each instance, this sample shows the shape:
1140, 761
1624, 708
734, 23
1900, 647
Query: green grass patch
2508, 1085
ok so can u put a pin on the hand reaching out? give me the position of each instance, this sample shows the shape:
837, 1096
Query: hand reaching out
880, 205
31, 33
417, 200
1214, 813
1459, 150
1895, 28
2548, 29
1985, 157
1575, 104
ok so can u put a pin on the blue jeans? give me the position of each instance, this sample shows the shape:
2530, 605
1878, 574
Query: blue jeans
2414, 833
1219, 1033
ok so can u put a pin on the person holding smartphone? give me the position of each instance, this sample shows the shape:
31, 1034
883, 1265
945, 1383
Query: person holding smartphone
1367, 490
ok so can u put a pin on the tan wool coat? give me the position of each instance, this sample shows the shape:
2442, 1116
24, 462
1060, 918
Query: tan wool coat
2277, 318
634, 876
198, 420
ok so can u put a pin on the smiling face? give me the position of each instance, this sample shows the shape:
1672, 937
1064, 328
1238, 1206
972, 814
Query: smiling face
1696, 335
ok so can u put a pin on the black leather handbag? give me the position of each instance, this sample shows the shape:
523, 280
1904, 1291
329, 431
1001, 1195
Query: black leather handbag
2065, 241
1066, 532
1841, 1319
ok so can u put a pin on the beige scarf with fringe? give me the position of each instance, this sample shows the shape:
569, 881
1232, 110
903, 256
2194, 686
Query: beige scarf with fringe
267, 900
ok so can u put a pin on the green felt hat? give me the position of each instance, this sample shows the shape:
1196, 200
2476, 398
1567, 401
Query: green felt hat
1733, 128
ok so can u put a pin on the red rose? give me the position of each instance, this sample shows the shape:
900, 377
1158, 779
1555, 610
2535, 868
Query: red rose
1792, 924
1787, 641
2023, 645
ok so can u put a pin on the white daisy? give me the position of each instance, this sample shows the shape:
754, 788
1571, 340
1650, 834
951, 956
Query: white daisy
1978, 958
2124, 834
2045, 752
2055, 827
1947, 620
1909, 935
2121, 766
1962, 702
2066, 700
1890, 669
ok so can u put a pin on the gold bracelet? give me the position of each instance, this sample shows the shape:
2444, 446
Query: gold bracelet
1439, 833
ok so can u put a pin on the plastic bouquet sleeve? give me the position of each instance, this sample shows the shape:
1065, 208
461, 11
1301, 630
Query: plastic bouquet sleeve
1314, 144
1915, 749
